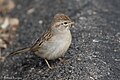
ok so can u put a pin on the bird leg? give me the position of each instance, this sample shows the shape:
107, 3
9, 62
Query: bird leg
48, 64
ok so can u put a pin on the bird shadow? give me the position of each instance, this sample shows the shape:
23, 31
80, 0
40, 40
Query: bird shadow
25, 63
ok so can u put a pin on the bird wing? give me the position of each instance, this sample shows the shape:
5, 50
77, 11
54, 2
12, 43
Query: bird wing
45, 37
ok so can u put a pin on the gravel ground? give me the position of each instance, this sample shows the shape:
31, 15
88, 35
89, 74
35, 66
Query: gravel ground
95, 50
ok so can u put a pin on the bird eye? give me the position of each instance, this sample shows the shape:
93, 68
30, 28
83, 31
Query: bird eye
65, 22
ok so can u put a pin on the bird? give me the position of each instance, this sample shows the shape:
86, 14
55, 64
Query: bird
54, 42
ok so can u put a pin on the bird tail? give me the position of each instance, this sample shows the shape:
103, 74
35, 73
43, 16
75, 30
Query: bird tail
14, 53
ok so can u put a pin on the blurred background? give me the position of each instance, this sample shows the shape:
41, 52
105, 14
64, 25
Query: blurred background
95, 50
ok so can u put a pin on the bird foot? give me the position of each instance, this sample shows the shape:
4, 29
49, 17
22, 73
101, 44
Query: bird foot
2, 59
63, 60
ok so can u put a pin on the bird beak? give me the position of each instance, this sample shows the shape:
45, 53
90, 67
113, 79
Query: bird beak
72, 24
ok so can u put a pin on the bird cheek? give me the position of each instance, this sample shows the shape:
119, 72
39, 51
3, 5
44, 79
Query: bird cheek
57, 26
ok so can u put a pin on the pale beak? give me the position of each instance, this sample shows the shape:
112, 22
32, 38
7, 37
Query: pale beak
72, 24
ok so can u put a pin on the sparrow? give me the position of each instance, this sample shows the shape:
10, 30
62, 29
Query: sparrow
54, 42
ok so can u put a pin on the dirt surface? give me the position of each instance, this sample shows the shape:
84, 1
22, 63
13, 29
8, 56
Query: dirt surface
95, 50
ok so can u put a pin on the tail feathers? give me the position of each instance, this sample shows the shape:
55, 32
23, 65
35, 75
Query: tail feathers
14, 53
